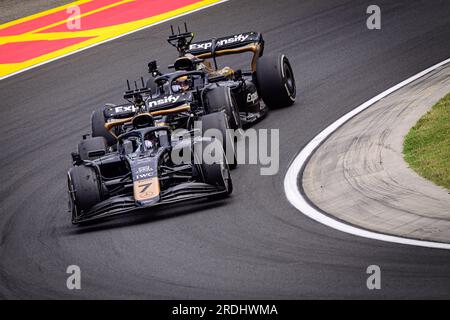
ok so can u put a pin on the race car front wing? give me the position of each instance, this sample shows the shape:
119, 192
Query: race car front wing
122, 204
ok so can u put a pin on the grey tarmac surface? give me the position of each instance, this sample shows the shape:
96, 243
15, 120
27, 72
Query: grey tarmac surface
254, 245
359, 175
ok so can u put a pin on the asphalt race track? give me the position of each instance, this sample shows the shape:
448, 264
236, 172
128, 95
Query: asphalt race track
253, 245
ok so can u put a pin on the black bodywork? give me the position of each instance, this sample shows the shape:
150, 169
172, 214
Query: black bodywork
119, 169
141, 175
159, 93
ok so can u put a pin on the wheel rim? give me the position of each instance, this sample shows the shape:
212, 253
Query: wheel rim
289, 79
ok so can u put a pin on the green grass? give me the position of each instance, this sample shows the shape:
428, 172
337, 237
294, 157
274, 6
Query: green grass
426, 147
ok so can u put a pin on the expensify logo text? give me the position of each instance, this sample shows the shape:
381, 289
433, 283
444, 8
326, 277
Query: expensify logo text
206, 45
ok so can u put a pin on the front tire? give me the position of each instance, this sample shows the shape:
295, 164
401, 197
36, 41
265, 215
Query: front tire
217, 173
275, 81
220, 99
218, 121
84, 189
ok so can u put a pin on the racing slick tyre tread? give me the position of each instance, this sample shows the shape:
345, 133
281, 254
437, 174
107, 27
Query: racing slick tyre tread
275, 81
98, 127
84, 186
218, 120
220, 99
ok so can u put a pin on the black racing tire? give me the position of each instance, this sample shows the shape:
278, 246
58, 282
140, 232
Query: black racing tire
275, 81
92, 148
98, 127
220, 99
218, 120
84, 189
216, 174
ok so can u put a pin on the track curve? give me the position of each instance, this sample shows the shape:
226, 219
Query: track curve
254, 245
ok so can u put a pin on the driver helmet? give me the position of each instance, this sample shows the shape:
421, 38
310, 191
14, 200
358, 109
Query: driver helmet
150, 140
182, 84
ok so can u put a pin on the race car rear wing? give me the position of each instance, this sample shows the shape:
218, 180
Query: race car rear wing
238, 43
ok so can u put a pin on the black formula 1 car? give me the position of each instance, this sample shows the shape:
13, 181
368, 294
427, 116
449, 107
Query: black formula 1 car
145, 170
128, 162
198, 87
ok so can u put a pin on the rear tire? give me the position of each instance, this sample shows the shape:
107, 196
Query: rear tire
275, 81
84, 189
98, 127
218, 121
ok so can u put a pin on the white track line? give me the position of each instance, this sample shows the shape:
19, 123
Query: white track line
298, 200
111, 39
